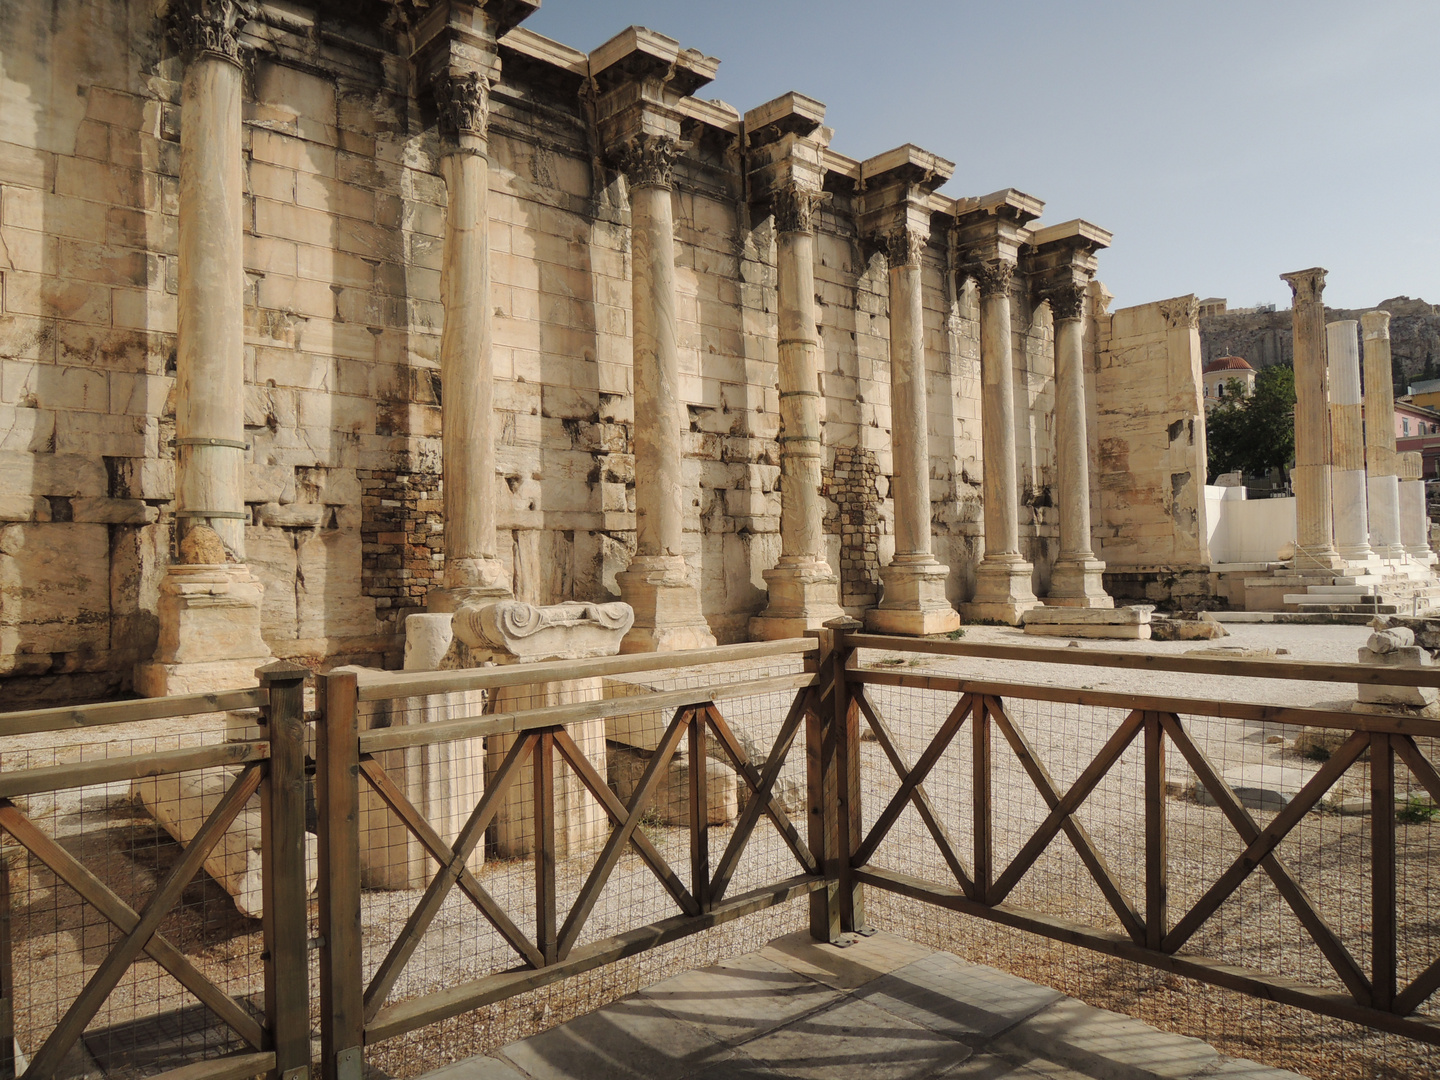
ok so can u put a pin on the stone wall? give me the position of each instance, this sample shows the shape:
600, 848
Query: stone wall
1149, 482
343, 219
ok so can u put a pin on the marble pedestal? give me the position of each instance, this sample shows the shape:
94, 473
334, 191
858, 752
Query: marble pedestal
511, 632
667, 607
444, 780
209, 616
914, 603
1078, 583
802, 597
1002, 591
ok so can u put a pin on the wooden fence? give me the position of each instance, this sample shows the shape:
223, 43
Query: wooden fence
833, 852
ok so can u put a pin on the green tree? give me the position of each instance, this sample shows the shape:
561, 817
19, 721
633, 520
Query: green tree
1252, 435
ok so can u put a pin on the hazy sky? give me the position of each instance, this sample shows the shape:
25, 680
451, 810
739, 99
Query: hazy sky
1221, 142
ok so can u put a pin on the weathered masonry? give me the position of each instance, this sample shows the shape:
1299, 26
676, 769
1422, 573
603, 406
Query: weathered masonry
271, 273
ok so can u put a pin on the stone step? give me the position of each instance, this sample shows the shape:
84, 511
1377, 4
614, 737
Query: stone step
1353, 609
1296, 618
1329, 590
1307, 599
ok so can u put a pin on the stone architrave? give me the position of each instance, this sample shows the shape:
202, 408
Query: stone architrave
895, 212
1347, 443
640, 77
209, 610
1414, 520
512, 632
457, 57
988, 239
1061, 264
787, 147
1314, 544
1381, 485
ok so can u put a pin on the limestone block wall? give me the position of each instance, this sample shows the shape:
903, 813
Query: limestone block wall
344, 211
1150, 435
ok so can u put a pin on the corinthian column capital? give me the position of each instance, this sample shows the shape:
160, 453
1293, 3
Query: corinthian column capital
463, 100
993, 278
1181, 313
648, 160
210, 27
903, 246
795, 208
1067, 302
1306, 285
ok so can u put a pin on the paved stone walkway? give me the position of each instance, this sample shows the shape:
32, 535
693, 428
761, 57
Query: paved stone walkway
883, 1008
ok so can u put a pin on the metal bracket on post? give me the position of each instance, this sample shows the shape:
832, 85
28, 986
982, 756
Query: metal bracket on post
285, 918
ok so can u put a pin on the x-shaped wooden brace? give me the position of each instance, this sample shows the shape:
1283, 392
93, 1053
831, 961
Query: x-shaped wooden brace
762, 799
1061, 816
1294, 894
912, 788
139, 929
452, 870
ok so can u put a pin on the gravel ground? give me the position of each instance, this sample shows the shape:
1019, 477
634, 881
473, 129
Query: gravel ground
59, 941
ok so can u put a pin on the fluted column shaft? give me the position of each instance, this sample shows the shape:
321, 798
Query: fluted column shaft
802, 517
1002, 519
1347, 443
1315, 547
210, 344
656, 584
1381, 484
467, 403
659, 496
909, 419
1071, 442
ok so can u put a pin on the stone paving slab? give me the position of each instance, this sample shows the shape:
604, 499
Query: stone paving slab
882, 1008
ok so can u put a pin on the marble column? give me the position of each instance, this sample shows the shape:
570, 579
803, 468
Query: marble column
1382, 487
209, 608
657, 583
1315, 547
1077, 580
1003, 592
914, 600
1347, 443
1414, 517
804, 592
467, 424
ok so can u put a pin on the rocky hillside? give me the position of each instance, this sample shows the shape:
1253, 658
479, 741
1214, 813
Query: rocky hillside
1264, 338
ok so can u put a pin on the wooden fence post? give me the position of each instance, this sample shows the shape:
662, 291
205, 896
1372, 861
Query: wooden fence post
285, 919
7, 972
337, 799
1382, 871
821, 804
846, 719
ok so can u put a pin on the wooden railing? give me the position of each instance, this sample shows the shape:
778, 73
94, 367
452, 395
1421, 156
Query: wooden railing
1152, 934
833, 852
272, 766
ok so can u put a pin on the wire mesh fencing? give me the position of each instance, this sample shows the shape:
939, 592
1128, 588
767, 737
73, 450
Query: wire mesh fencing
1306, 913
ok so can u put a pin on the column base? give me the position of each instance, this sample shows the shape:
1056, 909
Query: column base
467, 581
1002, 591
667, 607
1317, 559
1078, 583
803, 596
209, 632
914, 603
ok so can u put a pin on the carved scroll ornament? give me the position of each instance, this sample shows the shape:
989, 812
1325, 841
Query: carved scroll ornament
463, 98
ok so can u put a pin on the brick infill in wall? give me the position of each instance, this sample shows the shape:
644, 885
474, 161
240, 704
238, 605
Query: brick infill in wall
850, 484
400, 533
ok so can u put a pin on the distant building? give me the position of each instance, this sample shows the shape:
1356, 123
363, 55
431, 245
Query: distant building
1418, 428
1212, 305
1218, 374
